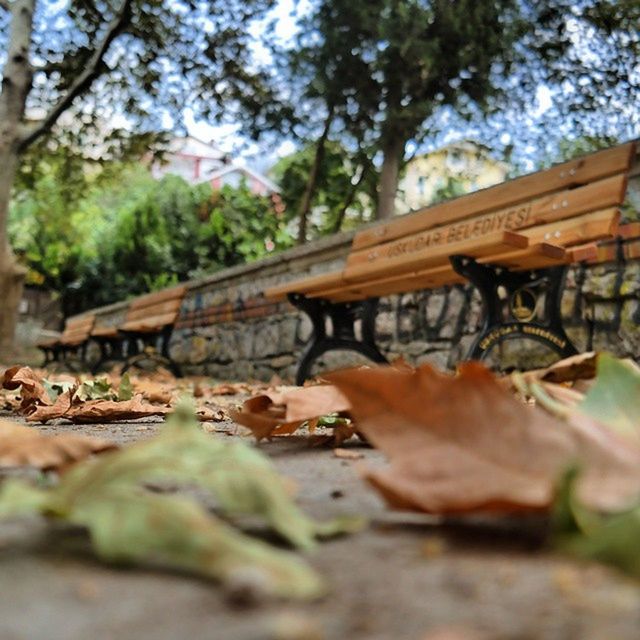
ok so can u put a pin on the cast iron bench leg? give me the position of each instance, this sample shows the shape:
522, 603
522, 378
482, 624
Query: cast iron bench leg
342, 335
135, 355
517, 313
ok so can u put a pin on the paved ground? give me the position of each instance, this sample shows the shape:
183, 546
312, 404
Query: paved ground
404, 577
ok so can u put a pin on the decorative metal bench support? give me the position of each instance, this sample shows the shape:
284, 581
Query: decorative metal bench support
51, 354
60, 354
141, 346
79, 356
342, 317
522, 304
110, 350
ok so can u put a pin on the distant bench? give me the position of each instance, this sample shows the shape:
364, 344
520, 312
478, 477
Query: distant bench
513, 241
144, 334
73, 340
149, 320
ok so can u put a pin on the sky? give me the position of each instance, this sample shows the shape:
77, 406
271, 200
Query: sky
228, 136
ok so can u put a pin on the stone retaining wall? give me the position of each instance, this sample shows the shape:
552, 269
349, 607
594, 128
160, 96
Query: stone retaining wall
228, 331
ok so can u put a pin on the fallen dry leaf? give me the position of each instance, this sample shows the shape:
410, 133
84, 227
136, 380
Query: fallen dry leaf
283, 411
579, 367
463, 443
25, 446
347, 454
210, 414
154, 391
32, 391
96, 410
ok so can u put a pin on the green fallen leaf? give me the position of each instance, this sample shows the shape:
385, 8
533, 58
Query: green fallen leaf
332, 421
54, 389
98, 389
125, 390
613, 539
614, 399
130, 524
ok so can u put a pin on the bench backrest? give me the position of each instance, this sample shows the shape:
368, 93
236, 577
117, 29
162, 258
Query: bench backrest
159, 309
595, 184
78, 328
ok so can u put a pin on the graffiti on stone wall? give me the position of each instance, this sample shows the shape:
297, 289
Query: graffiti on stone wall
252, 337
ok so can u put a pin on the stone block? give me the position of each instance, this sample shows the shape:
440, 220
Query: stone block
266, 342
197, 349
579, 335
601, 284
281, 361
288, 328
304, 328
245, 338
415, 348
385, 323
437, 359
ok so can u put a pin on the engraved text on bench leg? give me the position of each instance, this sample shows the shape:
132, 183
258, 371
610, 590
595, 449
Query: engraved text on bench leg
521, 320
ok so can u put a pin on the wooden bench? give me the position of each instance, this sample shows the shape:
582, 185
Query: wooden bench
74, 339
149, 320
513, 241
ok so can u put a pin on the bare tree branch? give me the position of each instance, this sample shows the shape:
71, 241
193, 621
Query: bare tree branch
4, 4
84, 80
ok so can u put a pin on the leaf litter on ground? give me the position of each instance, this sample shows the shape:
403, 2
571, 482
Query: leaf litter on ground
104, 399
127, 523
467, 444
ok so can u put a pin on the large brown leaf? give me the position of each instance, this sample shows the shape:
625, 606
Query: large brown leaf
459, 444
283, 411
25, 446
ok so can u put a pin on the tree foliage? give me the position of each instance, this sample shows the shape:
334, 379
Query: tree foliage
343, 194
116, 232
398, 71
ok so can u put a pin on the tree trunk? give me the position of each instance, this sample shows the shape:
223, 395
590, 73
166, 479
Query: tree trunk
16, 83
337, 225
393, 152
310, 189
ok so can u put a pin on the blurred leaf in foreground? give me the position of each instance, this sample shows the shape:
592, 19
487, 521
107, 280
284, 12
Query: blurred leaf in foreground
612, 539
127, 523
614, 399
26, 446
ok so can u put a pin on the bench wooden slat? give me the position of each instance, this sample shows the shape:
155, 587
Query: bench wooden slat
534, 257
492, 243
565, 204
105, 332
593, 226
584, 252
311, 284
548, 243
578, 171
530, 258
157, 297
77, 330
160, 308
149, 324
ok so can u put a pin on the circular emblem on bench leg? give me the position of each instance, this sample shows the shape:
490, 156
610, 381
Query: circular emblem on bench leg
523, 305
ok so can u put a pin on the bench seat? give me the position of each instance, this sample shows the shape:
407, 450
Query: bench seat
73, 339
149, 318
